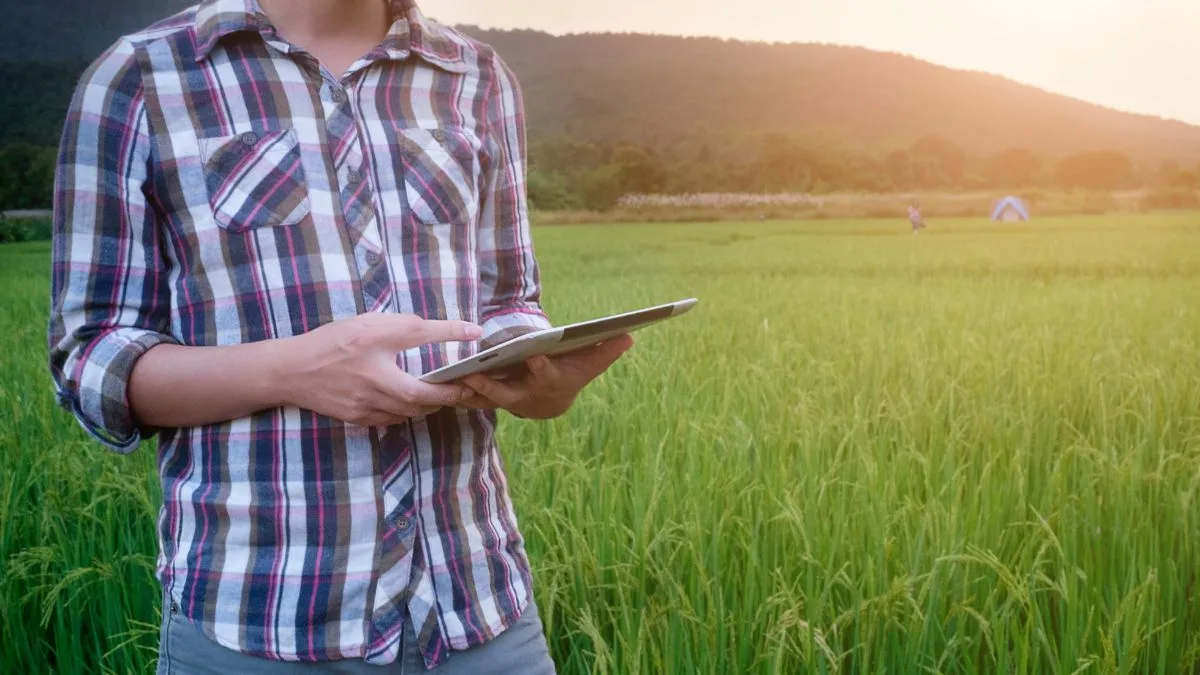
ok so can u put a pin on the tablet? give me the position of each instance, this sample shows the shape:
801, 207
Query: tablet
555, 341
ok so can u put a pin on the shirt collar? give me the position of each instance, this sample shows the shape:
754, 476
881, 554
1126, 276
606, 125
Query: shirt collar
410, 32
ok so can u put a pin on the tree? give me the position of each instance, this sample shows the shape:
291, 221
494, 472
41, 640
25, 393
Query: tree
1186, 180
548, 191
940, 161
1013, 168
600, 189
898, 168
639, 171
26, 176
564, 155
1103, 170
1171, 175
782, 165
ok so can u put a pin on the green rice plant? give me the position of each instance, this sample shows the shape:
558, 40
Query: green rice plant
972, 451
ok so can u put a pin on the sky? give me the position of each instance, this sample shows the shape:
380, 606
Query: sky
1134, 55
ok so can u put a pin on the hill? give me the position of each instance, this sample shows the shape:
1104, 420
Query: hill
654, 88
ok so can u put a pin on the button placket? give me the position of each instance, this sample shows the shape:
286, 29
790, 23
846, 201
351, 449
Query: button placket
355, 191
350, 176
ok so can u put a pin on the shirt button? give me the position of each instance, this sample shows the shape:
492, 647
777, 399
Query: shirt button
373, 258
249, 138
353, 176
337, 95
402, 523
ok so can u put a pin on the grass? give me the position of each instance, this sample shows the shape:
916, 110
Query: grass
972, 451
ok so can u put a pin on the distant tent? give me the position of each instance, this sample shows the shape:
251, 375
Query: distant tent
1010, 210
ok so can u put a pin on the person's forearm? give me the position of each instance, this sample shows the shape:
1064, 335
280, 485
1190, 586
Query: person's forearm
174, 386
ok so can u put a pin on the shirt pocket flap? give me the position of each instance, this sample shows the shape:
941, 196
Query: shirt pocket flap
255, 179
440, 168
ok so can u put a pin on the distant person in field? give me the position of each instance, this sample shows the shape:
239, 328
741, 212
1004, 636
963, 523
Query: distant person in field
270, 217
914, 217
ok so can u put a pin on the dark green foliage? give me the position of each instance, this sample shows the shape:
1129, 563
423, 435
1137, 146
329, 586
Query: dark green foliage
33, 100
600, 188
548, 192
599, 172
14, 230
26, 176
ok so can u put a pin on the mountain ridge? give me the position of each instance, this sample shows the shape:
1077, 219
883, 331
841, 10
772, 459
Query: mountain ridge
572, 80
660, 90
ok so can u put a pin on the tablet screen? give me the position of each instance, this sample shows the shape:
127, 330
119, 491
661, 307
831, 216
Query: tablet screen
555, 341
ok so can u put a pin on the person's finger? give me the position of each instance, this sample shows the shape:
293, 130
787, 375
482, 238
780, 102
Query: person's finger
619, 344
447, 331
405, 331
440, 395
544, 374
501, 394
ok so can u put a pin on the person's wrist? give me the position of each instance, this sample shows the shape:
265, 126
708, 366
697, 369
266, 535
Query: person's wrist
283, 374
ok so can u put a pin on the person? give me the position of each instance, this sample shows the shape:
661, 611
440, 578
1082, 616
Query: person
914, 217
270, 217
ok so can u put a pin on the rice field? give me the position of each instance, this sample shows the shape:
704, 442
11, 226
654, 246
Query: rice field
976, 450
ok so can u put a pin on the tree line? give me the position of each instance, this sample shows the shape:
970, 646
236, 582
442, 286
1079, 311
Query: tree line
571, 173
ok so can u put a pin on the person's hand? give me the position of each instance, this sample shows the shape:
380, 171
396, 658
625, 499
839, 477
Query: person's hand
347, 369
549, 386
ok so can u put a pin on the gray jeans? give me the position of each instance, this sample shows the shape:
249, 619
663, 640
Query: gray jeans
184, 650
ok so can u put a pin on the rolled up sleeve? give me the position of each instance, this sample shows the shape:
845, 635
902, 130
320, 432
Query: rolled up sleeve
509, 276
110, 301
95, 384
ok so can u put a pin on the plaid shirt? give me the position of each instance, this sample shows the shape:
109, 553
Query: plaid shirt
217, 186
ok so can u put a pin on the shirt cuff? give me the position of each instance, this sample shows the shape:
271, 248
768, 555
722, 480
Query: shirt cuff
98, 390
505, 323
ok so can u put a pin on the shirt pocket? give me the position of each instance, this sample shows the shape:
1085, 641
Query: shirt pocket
255, 179
440, 169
